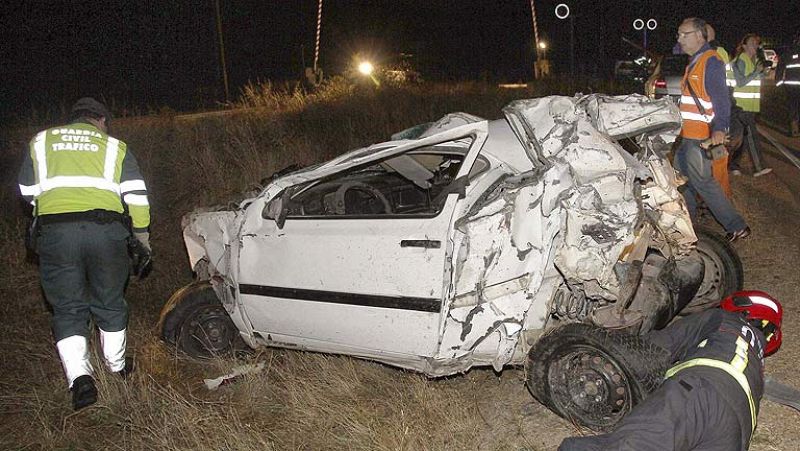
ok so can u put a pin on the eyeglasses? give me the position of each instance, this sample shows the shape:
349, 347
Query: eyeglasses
683, 34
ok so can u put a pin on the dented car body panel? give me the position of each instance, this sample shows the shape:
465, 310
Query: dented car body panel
461, 241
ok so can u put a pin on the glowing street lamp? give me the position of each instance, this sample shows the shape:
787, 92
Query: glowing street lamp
366, 68
542, 45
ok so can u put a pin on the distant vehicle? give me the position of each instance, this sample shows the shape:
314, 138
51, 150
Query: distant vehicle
630, 71
666, 78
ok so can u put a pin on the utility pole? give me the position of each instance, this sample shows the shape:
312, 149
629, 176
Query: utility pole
222, 52
537, 69
319, 31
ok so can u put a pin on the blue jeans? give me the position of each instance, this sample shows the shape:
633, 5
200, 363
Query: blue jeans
690, 160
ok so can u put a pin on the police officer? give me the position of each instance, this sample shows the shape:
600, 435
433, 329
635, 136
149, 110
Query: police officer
83, 184
711, 397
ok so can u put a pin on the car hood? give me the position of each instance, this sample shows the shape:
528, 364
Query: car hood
546, 126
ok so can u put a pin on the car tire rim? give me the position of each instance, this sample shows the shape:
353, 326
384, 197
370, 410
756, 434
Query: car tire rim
210, 327
588, 384
711, 287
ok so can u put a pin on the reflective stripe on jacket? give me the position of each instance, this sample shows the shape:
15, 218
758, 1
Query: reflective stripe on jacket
724, 349
77, 167
697, 122
748, 97
735, 369
791, 73
730, 79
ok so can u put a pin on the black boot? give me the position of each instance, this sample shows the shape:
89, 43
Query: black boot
84, 393
128, 369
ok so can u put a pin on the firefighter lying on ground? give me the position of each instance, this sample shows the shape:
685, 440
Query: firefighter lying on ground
710, 398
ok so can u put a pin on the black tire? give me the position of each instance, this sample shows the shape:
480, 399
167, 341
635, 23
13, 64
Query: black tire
723, 271
592, 376
196, 322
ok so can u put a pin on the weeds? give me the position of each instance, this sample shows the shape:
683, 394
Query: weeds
301, 401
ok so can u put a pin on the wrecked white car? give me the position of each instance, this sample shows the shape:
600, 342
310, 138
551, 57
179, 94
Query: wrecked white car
459, 243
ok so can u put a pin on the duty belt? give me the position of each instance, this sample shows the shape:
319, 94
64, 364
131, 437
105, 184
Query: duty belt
96, 216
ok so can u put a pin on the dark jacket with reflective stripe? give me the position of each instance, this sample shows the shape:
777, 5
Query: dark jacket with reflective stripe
713, 334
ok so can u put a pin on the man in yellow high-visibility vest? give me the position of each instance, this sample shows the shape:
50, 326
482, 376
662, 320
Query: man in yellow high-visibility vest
748, 72
84, 185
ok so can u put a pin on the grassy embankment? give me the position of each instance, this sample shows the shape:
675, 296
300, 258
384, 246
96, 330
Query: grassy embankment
301, 401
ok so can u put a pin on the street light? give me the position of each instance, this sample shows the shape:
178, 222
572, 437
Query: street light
366, 68
543, 48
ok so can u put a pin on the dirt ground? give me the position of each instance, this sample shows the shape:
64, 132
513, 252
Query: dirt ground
771, 206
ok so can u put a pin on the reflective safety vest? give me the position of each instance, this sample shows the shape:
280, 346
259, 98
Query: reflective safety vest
748, 97
730, 79
791, 73
77, 168
697, 122
735, 368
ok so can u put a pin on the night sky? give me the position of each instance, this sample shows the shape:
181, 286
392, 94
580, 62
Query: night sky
147, 54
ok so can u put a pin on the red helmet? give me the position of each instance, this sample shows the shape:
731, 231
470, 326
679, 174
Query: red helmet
760, 307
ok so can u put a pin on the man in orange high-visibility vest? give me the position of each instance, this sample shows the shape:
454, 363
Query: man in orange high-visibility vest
705, 111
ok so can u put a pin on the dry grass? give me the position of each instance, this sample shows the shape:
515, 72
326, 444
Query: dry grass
301, 400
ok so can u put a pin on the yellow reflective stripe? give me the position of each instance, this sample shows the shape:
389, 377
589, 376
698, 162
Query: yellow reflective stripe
703, 343
747, 95
135, 199
740, 359
792, 66
110, 164
132, 185
791, 82
728, 368
753, 83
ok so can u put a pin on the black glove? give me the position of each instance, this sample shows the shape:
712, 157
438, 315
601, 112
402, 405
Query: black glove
141, 256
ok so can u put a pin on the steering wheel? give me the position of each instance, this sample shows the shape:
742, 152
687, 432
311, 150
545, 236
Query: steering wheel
339, 197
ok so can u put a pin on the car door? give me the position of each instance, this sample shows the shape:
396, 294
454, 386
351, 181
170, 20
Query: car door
360, 284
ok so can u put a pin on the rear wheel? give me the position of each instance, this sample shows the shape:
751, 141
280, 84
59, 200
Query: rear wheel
196, 322
592, 376
723, 271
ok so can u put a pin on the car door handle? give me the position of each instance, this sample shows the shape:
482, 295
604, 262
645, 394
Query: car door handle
427, 244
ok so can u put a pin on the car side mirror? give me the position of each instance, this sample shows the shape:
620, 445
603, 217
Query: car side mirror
276, 209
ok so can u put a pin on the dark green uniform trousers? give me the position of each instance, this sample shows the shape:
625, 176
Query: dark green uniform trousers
84, 268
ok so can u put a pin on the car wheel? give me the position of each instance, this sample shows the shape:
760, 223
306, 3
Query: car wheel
196, 322
592, 376
723, 271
